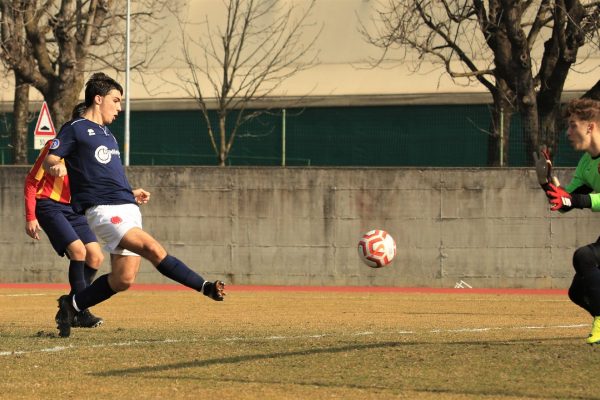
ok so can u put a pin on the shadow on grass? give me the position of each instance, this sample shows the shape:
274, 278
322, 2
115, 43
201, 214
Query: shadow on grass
430, 389
245, 358
313, 351
402, 391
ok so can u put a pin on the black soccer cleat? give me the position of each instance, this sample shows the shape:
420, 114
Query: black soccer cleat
85, 319
214, 290
66, 314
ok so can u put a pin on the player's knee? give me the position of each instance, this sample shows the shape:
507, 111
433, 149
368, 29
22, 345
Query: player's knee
94, 259
155, 252
584, 258
122, 283
77, 251
574, 293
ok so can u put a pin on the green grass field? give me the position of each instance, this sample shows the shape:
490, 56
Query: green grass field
300, 345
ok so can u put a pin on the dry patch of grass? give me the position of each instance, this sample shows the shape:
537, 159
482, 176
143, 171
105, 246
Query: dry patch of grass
298, 345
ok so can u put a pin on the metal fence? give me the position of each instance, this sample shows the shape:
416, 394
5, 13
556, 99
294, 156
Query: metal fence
413, 135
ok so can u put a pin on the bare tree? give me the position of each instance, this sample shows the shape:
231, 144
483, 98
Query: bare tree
259, 45
493, 43
20, 120
51, 44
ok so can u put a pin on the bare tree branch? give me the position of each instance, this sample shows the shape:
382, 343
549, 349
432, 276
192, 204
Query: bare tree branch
260, 45
461, 35
51, 44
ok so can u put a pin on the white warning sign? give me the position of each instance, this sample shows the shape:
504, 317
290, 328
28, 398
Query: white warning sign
44, 129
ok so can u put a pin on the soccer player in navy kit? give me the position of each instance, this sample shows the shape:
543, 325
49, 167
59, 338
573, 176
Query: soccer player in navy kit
47, 207
101, 191
583, 191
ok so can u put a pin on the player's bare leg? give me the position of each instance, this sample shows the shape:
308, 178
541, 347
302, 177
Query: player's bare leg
142, 243
124, 269
123, 272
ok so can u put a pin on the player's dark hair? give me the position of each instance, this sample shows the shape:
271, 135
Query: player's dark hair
100, 84
583, 109
78, 110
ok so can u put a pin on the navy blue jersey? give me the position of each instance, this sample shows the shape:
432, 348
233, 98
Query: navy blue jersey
93, 161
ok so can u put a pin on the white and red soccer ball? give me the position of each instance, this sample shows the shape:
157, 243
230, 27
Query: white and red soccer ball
377, 248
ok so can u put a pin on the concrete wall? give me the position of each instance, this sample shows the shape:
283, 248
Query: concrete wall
297, 226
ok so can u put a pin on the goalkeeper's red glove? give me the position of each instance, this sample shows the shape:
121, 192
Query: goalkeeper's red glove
562, 200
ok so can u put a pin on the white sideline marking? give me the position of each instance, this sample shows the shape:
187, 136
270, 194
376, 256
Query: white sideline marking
56, 348
24, 294
267, 338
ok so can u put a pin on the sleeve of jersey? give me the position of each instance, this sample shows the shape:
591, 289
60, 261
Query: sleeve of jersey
595, 201
34, 176
64, 142
29, 191
582, 194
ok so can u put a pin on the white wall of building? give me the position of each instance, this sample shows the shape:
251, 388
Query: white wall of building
345, 59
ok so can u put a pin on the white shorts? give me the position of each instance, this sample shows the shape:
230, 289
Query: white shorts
111, 223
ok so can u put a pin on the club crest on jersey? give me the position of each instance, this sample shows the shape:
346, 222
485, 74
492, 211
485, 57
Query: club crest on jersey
104, 155
55, 143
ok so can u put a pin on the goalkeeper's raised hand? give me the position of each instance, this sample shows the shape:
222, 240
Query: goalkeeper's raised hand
543, 169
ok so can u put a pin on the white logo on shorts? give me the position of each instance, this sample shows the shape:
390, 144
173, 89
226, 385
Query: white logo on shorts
104, 155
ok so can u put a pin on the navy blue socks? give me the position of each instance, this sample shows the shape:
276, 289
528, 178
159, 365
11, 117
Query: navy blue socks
89, 274
96, 293
76, 276
100, 290
176, 270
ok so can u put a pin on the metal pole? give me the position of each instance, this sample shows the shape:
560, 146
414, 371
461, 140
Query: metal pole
127, 66
501, 137
283, 137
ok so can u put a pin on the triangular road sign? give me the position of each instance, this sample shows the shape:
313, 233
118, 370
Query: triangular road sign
44, 128
44, 124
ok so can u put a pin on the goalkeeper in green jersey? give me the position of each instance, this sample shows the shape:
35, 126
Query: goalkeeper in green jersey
583, 191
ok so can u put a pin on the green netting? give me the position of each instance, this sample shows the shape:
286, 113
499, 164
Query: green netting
420, 135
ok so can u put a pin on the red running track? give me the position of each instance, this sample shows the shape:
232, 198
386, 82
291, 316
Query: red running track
357, 289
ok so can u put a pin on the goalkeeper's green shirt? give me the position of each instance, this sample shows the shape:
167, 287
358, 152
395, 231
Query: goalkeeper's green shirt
587, 179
